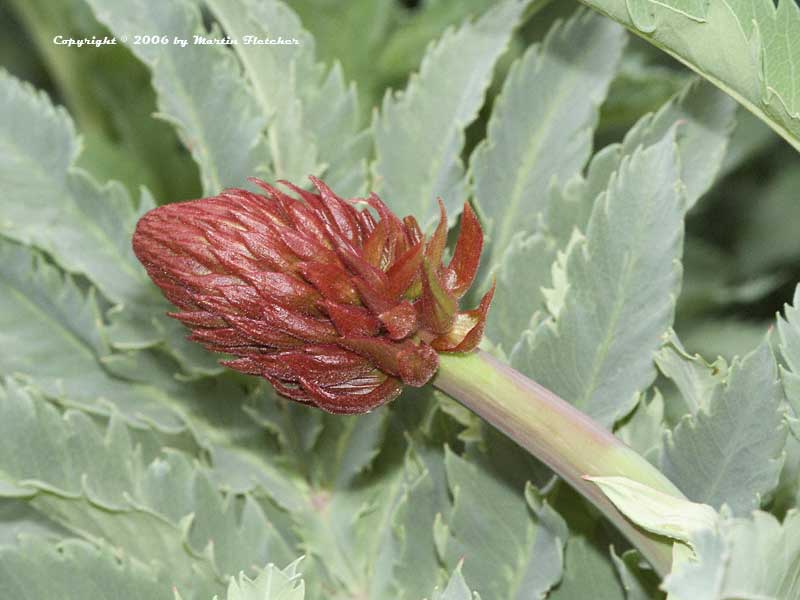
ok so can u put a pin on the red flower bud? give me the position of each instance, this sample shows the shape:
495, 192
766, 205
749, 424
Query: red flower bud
335, 307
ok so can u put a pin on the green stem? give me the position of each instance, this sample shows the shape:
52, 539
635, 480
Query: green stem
558, 434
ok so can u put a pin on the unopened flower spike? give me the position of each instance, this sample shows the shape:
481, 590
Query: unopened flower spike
335, 305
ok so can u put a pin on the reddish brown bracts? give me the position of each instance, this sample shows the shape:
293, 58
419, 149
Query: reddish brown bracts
336, 305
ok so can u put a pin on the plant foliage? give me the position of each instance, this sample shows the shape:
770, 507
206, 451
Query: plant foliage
641, 229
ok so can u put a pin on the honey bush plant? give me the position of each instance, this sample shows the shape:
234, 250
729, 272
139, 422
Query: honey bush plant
640, 220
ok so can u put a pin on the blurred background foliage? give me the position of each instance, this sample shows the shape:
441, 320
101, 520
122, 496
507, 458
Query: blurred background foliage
742, 254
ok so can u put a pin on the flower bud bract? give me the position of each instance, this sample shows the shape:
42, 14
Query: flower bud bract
338, 303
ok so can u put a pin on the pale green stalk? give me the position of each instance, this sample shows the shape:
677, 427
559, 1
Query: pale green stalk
558, 434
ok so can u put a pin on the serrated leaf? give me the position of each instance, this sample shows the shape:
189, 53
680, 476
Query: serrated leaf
743, 558
419, 134
85, 227
423, 504
511, 548
109, 95
745, 48
541, 126
55, 331
623, 280
200, 88
278, 77
338, 31
789, 335
414, 28
321, 507
75, 570
731, 451
271, 584
692, 375
47, 203
457, 588
19, 519
532, 255
314, 116
346, 448
346, 521
345, 518
297, 429
705, 120
330, 451
103, 489
233, 530
704, 117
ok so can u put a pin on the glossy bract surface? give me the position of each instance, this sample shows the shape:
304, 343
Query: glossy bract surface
337, 302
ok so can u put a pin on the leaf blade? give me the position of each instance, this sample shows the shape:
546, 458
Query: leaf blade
314, 116
75, 570
741, 47
732, 451
535, 136
432, 113
623, 279
200, 88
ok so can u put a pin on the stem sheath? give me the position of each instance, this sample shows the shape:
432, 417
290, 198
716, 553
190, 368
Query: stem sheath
558, 434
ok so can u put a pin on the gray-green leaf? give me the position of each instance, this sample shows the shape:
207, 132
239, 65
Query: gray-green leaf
542, 124
419, 134
48, 203
757, 557
200, 88
731, 451
747, 48
103, 488
457, 588
789, 334
272, 583
75, 570
313, 126
512, 545
622, 281
691, 374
